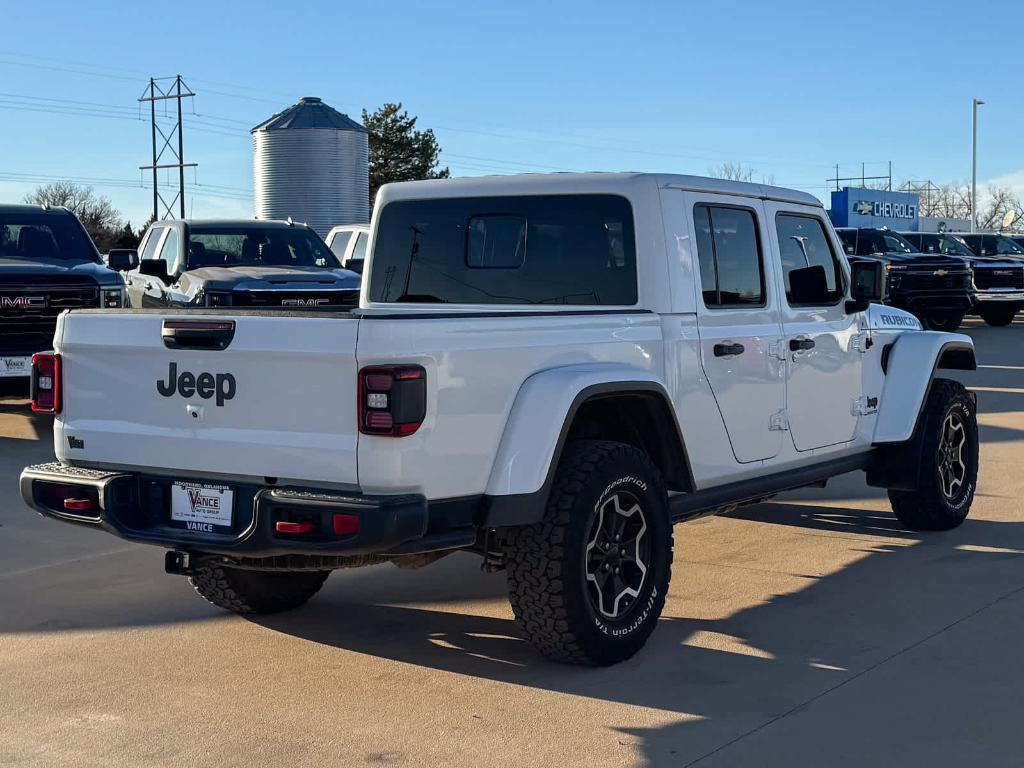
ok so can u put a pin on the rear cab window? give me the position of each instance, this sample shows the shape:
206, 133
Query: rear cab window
533, 249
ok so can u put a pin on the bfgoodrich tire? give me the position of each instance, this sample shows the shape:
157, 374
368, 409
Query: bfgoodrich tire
245, 591
588, 584
998, 315
947, 446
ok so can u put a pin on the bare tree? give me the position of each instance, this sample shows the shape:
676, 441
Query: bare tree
101, 220
738, 172
998, 202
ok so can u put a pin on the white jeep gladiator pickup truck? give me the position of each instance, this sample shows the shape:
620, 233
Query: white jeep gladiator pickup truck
548, 371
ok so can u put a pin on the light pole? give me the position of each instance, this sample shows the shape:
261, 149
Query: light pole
974, 165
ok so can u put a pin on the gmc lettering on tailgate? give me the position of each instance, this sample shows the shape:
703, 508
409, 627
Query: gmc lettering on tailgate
206, 385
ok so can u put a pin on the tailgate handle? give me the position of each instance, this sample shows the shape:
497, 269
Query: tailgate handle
198, 334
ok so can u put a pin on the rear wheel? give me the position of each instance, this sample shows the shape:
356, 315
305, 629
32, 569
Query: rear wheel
947, 447
942, 320
998, 314
245, 591
588, 583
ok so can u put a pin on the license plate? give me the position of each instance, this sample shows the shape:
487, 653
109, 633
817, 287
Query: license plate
15, 366
203, 508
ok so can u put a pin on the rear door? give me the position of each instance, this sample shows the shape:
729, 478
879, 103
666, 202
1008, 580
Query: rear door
278, 401
738, 322
825, 344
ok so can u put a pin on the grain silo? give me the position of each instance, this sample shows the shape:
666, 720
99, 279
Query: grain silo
312, 164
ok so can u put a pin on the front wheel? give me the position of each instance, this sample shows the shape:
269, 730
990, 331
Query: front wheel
588, 583
947, 321
947, 446
998, 315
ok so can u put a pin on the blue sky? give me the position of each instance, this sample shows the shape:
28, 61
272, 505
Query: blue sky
789, 88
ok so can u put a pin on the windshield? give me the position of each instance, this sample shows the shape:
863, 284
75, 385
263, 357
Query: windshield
1004, 246
874, 241
221, 246
944, 244
33, 235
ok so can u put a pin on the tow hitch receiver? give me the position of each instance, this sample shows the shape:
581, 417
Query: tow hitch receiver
178, 563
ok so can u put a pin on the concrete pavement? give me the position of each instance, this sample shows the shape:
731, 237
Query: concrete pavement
807, 631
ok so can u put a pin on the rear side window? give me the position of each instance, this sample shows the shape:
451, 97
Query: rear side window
810, 268
537, 249
729, 251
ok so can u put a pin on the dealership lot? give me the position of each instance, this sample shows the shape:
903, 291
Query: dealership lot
810, 630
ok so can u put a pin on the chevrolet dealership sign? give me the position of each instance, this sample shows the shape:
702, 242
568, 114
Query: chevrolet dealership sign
853, 207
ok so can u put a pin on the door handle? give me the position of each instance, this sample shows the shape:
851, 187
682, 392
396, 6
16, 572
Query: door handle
801, 345
149, 286
725, 350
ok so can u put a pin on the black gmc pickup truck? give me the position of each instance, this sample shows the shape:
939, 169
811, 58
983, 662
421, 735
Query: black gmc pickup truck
48, 263
239, 264
937, 288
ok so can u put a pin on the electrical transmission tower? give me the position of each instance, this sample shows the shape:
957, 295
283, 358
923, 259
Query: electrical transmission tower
165, 89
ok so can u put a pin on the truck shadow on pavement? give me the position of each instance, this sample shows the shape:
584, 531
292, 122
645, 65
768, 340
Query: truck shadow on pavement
721, 677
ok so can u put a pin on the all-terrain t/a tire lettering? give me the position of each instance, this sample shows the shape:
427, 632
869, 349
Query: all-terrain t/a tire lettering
588, 583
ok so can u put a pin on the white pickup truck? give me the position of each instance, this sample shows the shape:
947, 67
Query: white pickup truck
548, 371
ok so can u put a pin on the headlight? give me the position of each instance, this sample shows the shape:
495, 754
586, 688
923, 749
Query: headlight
218, 299
111, 297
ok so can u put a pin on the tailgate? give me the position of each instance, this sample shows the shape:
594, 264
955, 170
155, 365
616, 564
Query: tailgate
278, 401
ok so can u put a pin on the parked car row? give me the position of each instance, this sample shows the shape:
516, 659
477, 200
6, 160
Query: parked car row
48, 263
941, 277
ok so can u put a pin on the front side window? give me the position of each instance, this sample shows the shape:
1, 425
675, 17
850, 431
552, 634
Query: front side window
340, 242
531, 249
810, 268
152, 241
729, 252
359, 251
169, 251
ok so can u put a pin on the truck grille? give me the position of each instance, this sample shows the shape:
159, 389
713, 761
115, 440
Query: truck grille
296, 299
28, 311
928, 280
987, 278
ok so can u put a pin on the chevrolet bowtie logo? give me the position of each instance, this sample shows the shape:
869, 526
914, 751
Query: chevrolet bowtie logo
940, 272
864, 208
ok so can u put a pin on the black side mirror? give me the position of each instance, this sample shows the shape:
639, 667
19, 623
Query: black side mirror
355, 265
122, 259
867, 284
808, 285
155, 268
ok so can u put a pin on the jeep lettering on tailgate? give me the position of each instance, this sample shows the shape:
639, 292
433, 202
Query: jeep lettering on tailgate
206, 385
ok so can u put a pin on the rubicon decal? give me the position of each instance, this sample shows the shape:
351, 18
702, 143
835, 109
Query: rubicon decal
206, 385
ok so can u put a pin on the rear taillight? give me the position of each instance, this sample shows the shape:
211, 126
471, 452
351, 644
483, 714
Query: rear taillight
46, 382
392, 399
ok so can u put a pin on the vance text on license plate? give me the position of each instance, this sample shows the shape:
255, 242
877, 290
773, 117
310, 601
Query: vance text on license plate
201, 507
15, 366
